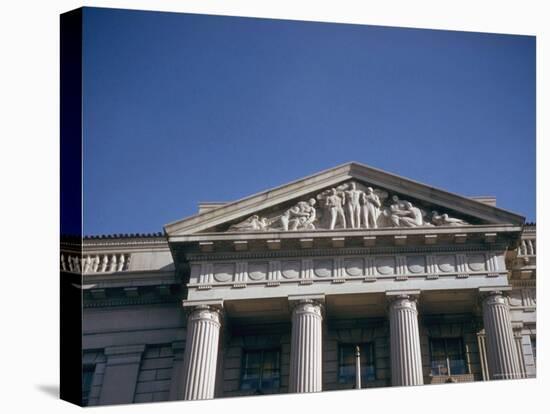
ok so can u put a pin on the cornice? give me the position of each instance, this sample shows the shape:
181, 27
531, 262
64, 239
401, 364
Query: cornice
350, 251
348, 233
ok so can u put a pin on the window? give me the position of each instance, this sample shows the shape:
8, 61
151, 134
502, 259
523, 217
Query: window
534, 347
447, 356
87, 379
347, 363
261, 370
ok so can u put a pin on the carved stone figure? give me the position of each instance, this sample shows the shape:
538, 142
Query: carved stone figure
334, 205
370, 208
250, 224
351, 200
300, 217
404, 214
395, 210
414, 218
347, 205
445, 220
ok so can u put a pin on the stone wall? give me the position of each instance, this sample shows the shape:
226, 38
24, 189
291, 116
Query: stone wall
95, 359
527, 334
155, 374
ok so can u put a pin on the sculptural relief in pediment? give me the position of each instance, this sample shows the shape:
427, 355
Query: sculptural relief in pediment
351, 205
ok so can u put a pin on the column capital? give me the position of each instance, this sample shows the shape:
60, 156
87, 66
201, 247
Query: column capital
402, 298
211, 310
307, 303
494, 295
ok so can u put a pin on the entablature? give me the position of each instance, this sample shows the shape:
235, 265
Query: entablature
302, 243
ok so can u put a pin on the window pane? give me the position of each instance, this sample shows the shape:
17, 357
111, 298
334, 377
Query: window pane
454, 346
367, 362
251, 370
439, 367
270, 360
253, 360
347, 363
447, 356
438, 348
261, 370
346, 366
458, 366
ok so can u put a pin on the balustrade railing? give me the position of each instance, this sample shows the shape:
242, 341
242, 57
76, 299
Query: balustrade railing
95, 263
527, 248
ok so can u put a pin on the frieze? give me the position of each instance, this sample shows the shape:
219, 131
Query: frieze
290, 269
339, 269
258, 271
348, 206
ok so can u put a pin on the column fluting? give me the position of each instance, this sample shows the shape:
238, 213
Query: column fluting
502, 355
406, 357
201, 353
306, 347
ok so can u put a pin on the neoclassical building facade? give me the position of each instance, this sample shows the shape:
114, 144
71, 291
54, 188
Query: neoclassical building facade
349, 278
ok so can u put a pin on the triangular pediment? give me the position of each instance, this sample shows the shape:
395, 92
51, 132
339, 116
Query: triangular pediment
350, 196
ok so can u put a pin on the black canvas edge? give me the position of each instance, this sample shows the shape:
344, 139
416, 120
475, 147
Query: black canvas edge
71, 203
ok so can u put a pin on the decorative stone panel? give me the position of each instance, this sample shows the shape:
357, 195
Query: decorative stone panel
321, 269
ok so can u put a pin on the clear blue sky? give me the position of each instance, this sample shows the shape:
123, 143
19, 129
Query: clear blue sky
185, 108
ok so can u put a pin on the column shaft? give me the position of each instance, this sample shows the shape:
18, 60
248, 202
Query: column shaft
201, 353
501, 349
306, 348
406, 358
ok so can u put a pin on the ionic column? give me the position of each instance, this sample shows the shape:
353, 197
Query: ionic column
201, 352
306, 346
406, 357
502, 356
